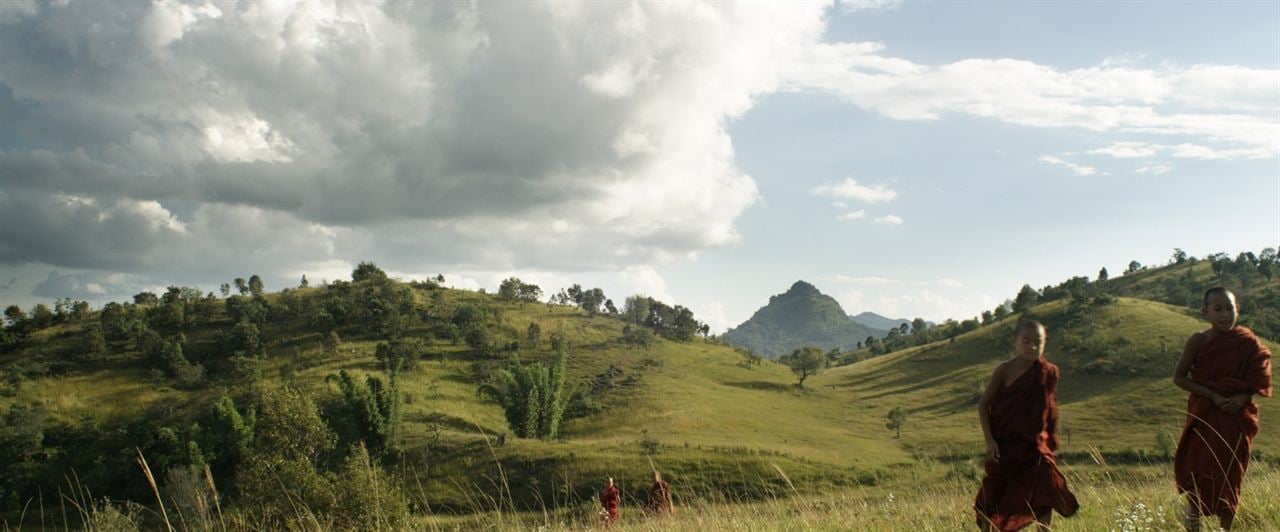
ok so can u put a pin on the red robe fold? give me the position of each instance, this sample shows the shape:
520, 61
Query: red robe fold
659, 501
609, 499
1026, 480
1213, 452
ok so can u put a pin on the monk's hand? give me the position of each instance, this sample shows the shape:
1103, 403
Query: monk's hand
1219, 401
1234, 403
993, 452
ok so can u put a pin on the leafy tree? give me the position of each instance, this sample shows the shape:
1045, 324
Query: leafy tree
532, 396
331, 342
513, 289
592, 300
145, 298
280, 472
987, 317
533, 335
14, 315
1267, 263
1001, 311
636, 336
918, 326
95, 343
1026, 298
368, 271
509, 289
468, 316
636, 309
255, 286
373, 408
804, 362
225, 289
895, 420
228, 437
304, 283
1102, 275
1179, 256
608, 307
1134, 267
41, 316
244, 338
399, 354
80, 310
477, 338
241, 286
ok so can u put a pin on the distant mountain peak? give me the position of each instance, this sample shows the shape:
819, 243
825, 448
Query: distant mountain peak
801, 287
801, 316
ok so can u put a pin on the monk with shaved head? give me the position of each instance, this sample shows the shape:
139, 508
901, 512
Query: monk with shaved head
1019, 414
1223, 367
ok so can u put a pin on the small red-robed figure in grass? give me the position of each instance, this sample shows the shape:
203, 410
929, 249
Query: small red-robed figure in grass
659, 501
609, 499
1019, 413
1223, 367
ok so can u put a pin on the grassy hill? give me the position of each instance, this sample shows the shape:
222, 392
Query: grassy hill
716, 425
1115, 394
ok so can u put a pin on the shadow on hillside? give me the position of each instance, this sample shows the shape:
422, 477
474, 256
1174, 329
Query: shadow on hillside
763, 385
444, 421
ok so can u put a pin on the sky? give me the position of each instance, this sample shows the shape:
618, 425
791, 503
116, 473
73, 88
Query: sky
914, 159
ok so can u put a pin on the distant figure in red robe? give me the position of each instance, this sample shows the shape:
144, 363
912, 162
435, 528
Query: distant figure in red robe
659, 501
1019, 413
609, 499
1223, 367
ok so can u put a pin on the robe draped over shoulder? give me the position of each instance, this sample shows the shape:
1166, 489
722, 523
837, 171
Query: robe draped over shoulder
1213, 452
1026, 480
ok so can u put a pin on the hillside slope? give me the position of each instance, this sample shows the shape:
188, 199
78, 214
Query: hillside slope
698, 410
1115, 394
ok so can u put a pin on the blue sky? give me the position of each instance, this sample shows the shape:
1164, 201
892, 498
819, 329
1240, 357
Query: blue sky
911, 159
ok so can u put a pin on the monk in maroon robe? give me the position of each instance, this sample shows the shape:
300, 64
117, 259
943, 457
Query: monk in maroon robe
1222, 368
1019, 414
659, 501
609, 499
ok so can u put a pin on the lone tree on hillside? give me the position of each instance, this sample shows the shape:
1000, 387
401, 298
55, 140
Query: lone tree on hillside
896, 419
805, 362
1102, 274
1026, 299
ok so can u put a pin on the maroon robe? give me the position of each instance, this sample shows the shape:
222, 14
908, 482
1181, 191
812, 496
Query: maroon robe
1026, 480
1213, 452
609, 499
659, 501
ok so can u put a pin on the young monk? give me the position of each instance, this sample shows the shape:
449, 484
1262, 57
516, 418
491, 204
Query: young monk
1019, 414
1222, 367
609, 499
659, 501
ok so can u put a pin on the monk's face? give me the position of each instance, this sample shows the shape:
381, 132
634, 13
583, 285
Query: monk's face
1220, 310
1030, 342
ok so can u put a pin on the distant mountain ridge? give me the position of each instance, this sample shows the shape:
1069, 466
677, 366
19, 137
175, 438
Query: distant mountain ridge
876, 321
801, 316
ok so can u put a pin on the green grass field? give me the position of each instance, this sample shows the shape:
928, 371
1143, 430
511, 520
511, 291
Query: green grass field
746, 448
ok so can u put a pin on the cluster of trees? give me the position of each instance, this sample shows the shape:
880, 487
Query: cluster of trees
671, 322
533, 396
513, 289
592, 300
251, 446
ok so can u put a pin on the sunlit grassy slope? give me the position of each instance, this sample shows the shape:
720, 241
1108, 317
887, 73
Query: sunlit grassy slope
697, 412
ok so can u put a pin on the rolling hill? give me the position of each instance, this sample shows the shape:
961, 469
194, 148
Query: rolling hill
711, 420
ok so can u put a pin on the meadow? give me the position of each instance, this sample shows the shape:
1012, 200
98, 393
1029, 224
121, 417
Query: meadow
742, 444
